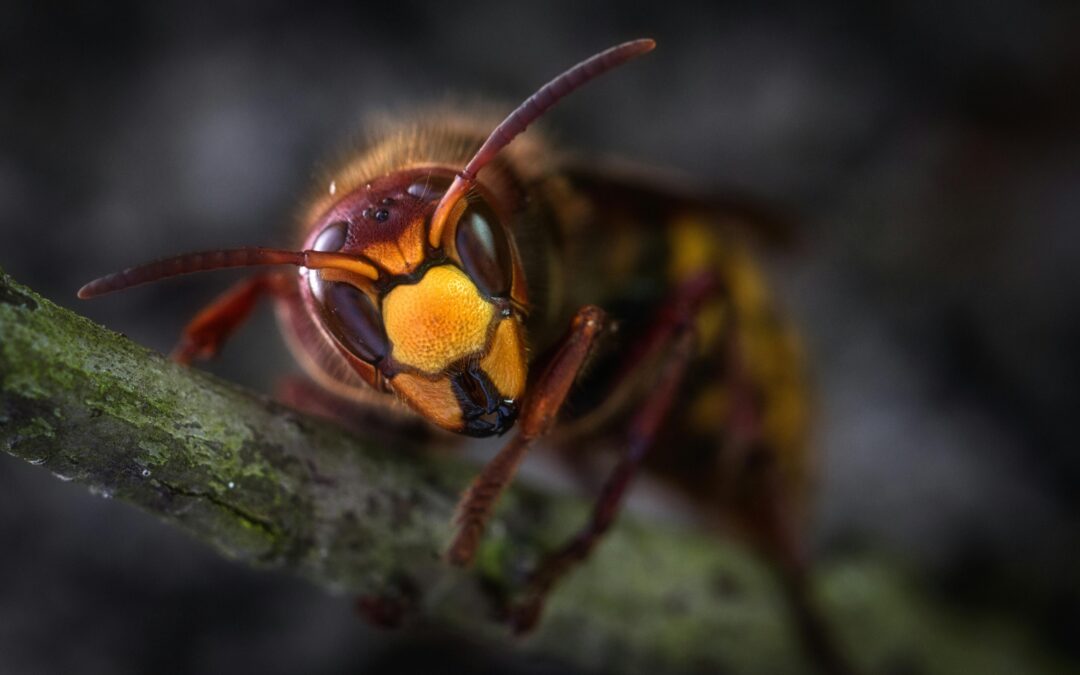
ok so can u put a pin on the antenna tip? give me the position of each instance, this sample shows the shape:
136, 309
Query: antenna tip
88, 290
634, 48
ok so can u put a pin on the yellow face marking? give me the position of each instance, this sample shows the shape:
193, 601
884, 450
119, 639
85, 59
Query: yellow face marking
434, 400
437, 321
505, 363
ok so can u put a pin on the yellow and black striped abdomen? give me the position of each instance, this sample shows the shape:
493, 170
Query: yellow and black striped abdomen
753, 350
629, 259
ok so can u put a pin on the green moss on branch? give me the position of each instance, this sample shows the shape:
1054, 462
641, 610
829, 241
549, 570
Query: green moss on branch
269, 487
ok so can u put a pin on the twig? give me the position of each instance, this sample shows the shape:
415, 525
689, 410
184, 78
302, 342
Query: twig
269, 487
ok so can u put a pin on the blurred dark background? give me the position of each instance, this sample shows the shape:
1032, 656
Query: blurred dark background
930, 150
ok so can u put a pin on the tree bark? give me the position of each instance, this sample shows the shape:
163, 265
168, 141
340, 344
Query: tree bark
269, 487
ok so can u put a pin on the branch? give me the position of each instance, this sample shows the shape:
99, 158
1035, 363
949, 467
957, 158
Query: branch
269, 487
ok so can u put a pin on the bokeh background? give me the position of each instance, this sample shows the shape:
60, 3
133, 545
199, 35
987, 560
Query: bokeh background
931, 152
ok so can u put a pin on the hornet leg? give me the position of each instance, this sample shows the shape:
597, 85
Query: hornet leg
204, 336
539, 415
673, 333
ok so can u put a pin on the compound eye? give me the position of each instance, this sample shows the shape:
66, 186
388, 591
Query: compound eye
351, 317
483, 250
332, 238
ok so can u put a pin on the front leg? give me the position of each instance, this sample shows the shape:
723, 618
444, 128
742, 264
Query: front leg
673, 337
541, 409
639, 439
205, 334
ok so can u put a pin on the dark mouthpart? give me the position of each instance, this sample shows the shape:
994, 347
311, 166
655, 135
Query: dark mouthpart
485, 412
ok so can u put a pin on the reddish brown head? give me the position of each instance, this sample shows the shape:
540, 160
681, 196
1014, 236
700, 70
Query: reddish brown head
415, 277
441, 324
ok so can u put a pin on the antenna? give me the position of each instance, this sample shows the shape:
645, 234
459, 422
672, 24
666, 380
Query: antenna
525, 114
189, 263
